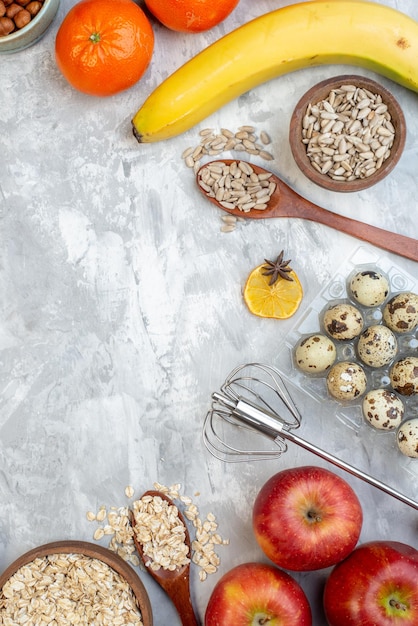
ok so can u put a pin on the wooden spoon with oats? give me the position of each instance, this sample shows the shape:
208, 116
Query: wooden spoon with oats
162, 540
284, 202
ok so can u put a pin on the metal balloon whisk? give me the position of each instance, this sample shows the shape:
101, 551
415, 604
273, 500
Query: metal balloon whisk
254, 400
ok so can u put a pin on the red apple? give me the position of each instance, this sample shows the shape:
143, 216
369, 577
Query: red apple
307, 518
376, 585
256, 593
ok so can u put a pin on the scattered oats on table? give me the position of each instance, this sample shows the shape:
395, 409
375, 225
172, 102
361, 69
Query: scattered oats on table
118, 526
204, 535
101, 514
129, 491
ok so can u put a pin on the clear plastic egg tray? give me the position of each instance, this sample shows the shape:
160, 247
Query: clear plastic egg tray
337, 291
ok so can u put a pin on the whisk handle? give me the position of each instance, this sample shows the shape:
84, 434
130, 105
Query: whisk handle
348, 468
262, 420
275, 428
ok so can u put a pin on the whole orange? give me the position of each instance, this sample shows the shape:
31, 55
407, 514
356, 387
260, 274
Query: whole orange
191, 16
104, 46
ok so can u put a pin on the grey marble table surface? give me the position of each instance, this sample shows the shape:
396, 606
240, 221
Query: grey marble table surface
121, 306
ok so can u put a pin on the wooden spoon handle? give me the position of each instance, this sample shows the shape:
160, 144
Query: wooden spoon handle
183, 604
297, 206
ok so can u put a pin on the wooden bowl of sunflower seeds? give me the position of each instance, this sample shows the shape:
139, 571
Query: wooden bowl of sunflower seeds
73, 582
347, 133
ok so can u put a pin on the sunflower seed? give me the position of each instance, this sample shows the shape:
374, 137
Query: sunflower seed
265, 138
197, 152
228, 205
228, 219
266, 155
247, 129
248, 189
228, 228
187, 152
213, 144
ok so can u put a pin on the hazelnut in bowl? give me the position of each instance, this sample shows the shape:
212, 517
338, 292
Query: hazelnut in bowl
24, 22
347, 133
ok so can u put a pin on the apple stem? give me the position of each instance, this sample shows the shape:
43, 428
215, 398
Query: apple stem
398, 605
314, 516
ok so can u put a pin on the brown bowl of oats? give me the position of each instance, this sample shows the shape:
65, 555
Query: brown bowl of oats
347, 133
73, 582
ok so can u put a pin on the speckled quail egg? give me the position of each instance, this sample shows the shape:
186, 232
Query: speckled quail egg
404, 376
343, 321
407, 438
315, 354
377, 346
400, 314
369, 288
346, 381
383, 409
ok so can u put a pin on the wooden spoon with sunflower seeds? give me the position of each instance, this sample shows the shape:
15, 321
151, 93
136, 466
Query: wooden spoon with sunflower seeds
176, 581
284, 202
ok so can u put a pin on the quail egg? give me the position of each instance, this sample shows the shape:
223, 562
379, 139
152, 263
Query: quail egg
377, 346
400, 314
369, 288
407, 438
315, 354
343, 321
404, 376
346, 381
383, 409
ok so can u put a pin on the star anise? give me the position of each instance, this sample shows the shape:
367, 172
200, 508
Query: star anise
277, 268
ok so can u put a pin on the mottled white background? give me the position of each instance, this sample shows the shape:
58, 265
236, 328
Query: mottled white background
121, 305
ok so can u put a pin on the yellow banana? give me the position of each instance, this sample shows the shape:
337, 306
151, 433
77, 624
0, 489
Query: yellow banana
355, 32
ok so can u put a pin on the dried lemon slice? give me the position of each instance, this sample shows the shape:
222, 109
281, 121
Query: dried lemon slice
279, 300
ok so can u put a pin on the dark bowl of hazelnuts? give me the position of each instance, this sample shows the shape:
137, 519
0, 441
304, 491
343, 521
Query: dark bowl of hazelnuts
24, 22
